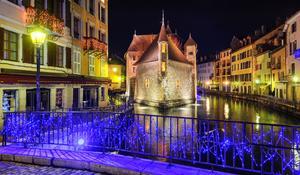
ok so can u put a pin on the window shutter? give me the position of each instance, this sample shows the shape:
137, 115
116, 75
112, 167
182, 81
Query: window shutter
51, 54
68, 59
1, 43
28, 49
68, 14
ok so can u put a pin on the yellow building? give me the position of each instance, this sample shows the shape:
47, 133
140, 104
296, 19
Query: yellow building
265, 67
74, 70
242, 69
116, 72
278, 64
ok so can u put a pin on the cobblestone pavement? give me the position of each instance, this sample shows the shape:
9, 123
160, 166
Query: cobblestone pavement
11, 168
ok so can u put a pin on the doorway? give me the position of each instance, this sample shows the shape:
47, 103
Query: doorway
31, 100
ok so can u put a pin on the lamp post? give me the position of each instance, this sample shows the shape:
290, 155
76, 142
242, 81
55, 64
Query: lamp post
38, 38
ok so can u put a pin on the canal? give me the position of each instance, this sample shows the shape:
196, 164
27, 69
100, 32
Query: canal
221, 108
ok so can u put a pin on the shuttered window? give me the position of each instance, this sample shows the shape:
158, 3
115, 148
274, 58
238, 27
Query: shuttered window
28, 49
51, 54
68, 58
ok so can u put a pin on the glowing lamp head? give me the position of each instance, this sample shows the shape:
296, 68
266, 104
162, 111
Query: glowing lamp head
38, 37
207, 83
295, 79
115, 69
226, 83
80, 142
257, 81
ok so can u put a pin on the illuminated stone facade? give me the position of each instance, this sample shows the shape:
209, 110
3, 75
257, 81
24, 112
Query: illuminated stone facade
164, 73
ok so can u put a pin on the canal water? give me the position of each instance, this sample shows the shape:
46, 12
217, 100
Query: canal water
221, 108
221, 142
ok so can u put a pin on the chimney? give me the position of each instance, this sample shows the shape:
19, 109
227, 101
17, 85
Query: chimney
263, 29
257, 32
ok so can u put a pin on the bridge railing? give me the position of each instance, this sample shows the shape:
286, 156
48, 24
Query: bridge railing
252, 147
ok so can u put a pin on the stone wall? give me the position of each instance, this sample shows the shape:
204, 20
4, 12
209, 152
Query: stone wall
174, 89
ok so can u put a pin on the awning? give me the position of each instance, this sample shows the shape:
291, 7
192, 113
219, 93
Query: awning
30, 79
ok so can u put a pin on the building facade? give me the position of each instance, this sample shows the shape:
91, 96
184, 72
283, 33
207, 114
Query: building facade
242, 69
160, 71
292, 29
206, 70
117, 73
225, 70
72, 73
278, 65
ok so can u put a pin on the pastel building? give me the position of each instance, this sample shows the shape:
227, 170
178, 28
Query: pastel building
206, 70
292, 29
74, 71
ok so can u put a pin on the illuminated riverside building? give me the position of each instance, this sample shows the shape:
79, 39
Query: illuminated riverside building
242, 66
160, 70
117, 73
292, 29
267, 66
224, 71
206, 70
73, 58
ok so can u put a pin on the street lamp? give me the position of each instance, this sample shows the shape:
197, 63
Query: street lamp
295, 79
38, 38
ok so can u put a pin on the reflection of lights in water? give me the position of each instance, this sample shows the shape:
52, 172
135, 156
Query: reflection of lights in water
257, 121
144, 107
183, 109
207, 105
226, 111
196, 104
296, 158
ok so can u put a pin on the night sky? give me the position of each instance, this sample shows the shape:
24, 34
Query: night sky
211, 22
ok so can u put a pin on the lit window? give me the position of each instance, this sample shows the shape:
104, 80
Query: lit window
163, 48
91, 65
177, 83
10, 44
163, 66
59, 98
77, 62
147, 82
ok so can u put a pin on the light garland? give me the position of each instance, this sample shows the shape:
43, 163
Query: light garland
43, 18
219, 143
90, 43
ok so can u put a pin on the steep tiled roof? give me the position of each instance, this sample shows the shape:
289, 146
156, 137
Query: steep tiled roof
152, 52
141, 42
162, 34
190, 41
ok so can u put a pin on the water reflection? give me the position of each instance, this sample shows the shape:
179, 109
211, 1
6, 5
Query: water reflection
257, 121
226, 111
213, 107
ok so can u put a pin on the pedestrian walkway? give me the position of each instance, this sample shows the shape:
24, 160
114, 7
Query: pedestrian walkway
13, 168
97, 162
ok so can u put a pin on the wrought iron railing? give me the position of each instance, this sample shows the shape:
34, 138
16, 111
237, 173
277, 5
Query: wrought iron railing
250, 147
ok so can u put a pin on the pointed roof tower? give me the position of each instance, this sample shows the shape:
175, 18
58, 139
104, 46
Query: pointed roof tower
168, 29
190, 41
162, 34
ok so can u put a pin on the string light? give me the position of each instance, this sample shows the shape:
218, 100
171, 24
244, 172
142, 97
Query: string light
206, 141
43, 18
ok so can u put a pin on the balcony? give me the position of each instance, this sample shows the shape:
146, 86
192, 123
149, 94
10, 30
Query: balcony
276, 66
38, 17
94, 46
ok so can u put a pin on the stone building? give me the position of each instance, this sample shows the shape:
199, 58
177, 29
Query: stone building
72, 73
160, 71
